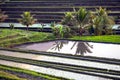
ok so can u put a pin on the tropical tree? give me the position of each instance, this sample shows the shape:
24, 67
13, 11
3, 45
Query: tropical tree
97, 23
106, 21
60, 31
79, 18
82, 19
2, 16
27, 19
68, 19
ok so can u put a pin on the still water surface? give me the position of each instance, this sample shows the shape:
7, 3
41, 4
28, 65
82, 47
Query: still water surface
77, 48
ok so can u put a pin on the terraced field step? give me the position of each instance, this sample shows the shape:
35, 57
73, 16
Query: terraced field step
38, 20
8, 37
49, 16
54, 9
63, 7
50, 71
67, 67
85, 58
113, 13
63, 0
48, 6
23, 4
37, 16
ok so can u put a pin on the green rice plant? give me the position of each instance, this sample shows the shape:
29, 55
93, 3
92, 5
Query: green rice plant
104, 38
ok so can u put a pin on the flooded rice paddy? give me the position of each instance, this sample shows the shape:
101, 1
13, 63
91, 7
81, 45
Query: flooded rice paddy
106, 50
70, 75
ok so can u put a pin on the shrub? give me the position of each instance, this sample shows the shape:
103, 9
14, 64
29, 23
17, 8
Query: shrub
61, 31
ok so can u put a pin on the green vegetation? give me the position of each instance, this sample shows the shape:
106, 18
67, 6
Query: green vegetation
104, 38
101, 22
27, 19
96, 23
78, 22
10, 38
11, 26
60, 31
32, 73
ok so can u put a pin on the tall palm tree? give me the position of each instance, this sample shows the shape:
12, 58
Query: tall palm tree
27, 19
2, 16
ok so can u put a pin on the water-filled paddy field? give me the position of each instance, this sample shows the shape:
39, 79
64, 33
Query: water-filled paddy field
106, 50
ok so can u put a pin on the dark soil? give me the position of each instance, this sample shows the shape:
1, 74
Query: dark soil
23, 75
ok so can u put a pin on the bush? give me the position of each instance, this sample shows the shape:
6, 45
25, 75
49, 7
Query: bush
61, 31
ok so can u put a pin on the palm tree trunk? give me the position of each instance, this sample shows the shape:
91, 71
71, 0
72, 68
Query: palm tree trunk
27, 27
81, 31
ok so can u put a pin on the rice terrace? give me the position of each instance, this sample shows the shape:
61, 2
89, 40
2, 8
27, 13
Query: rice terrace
59, 39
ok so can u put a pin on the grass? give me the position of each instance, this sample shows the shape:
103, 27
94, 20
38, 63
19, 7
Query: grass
103, 38
8, 38
48, 77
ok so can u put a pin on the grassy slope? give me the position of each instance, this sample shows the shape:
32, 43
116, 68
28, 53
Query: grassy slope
104, 38
10, 38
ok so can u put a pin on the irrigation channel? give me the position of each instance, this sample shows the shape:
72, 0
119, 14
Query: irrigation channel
61, 64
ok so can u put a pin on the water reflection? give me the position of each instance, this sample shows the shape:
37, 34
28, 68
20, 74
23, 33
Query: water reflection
58, 45
76, 48
81, 47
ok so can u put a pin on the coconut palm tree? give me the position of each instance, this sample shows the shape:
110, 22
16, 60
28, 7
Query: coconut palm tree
82, 19
68, 19
2, 16
97, 23
79, 19
27, 19
106, 21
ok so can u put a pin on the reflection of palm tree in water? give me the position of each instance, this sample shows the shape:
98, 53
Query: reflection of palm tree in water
59, 44
82, 47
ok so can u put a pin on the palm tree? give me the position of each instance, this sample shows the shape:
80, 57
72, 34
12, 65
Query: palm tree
68, 19
82, 19
106, 21
2, 16
97, 25
78, 18
27, 19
